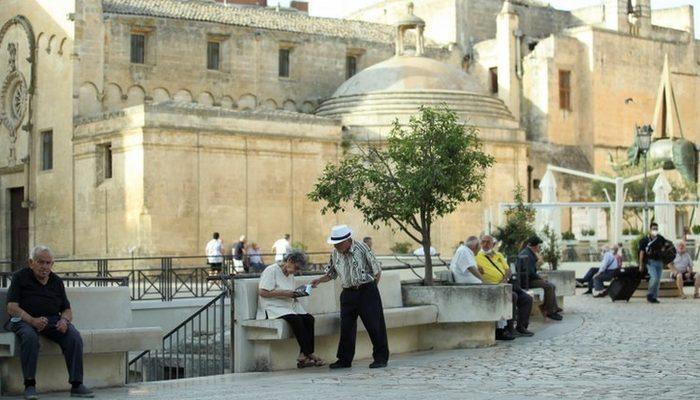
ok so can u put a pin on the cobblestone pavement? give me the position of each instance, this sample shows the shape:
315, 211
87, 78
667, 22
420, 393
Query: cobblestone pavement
600, 351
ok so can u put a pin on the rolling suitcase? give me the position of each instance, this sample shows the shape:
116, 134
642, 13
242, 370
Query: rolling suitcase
624, 284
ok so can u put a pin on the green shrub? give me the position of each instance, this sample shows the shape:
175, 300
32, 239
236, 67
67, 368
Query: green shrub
568, 236
626, 231
635, 231
401, 248
518, 227
696, 229
299, 246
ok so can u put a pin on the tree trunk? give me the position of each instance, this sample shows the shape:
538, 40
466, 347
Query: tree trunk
428, 279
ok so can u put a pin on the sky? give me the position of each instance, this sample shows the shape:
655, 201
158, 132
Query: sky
338, 8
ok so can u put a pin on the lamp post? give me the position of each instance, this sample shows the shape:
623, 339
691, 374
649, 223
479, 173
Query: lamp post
644, 142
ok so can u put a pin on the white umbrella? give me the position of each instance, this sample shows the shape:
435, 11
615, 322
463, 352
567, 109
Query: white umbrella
550, 215
665, 216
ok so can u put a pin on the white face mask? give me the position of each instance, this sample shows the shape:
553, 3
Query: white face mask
654, 232
489, 251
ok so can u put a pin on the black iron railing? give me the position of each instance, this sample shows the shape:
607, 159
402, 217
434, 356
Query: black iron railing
196, 347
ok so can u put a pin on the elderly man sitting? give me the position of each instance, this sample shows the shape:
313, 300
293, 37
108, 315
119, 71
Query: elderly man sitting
495, 270
682, 270
463, 264
38, 305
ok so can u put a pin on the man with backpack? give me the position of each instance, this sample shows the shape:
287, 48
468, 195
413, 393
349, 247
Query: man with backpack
654, 251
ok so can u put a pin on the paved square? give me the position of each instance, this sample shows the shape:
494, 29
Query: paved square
601, 350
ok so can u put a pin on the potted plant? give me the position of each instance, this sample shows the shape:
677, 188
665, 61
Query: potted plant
551, 251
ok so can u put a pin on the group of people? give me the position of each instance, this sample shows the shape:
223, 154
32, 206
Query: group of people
476, 261
353, 263
651, 260
246, 257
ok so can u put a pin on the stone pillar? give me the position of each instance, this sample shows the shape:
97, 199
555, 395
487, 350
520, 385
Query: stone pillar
507, 24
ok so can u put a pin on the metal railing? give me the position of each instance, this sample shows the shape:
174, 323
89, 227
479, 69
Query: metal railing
196, 347
74, 281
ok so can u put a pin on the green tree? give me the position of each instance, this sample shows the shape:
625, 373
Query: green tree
423, 171
519, 225
551, 251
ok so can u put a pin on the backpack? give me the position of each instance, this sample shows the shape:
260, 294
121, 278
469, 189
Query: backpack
665, 252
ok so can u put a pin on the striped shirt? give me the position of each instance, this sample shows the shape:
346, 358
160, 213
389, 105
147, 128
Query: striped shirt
354, 268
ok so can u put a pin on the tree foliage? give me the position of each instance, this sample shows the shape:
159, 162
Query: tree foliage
423, 171
551, 249
518, 226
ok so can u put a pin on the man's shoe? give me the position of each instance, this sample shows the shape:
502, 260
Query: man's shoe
502, 334
81, 391
589, 291
339, 365
555, 316
653, 301
378, 364
523, 332
30, 393
599, 295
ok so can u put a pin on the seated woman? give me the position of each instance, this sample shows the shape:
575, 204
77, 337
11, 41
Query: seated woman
277, 299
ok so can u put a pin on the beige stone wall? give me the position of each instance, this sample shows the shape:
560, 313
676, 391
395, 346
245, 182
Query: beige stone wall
51, 191
248, 77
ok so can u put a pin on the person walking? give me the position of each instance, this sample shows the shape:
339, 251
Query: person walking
281, 247
358, 270
214, 252
650, 248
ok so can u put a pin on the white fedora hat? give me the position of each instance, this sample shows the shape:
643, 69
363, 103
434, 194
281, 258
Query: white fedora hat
339, 233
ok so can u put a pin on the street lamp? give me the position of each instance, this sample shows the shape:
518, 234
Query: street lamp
644, 142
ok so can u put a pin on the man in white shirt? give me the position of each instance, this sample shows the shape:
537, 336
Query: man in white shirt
282, 247
214, 253
463, 264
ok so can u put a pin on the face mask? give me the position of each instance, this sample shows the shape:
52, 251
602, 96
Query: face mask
654, 232
489, 251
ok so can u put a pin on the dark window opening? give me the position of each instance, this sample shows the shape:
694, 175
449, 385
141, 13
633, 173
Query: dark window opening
565, 90
213, 55
138, 48
284, 63
350, 66
493, 75
108, 161
46, 150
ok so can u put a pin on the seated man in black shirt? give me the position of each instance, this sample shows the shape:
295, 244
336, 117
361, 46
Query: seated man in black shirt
37, 304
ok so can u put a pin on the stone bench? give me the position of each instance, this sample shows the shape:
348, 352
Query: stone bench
564, 281
103, 317
667, 286
412, 324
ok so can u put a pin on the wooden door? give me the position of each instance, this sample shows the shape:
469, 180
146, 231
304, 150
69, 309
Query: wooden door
19, 229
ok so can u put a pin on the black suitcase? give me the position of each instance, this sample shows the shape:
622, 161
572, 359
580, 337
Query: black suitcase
624, 284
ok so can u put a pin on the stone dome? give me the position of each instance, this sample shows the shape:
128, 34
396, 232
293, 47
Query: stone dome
407, 73
371, 100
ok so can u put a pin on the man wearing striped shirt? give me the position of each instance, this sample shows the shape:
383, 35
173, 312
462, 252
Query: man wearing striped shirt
353, 263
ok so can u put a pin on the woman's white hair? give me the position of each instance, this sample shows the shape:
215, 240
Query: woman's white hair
36, 250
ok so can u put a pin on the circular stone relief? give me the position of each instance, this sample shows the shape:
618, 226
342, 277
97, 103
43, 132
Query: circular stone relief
14, 101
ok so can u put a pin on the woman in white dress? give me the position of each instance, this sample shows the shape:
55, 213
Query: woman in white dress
278, 299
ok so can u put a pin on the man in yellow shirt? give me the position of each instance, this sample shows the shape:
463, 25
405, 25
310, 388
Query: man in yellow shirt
494, 270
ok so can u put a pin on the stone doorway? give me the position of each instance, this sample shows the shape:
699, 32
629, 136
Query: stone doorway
19, 229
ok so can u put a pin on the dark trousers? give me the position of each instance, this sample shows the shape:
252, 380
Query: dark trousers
366, 303
550, 295
303, 328
588, 278
522, 305
71, 344
607, 275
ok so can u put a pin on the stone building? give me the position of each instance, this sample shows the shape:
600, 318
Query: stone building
141, 126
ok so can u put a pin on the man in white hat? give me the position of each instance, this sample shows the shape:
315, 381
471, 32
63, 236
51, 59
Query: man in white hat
359, 271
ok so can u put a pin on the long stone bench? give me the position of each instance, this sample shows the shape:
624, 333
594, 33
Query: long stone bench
564, 281
103, 317
667, 286
265, 345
